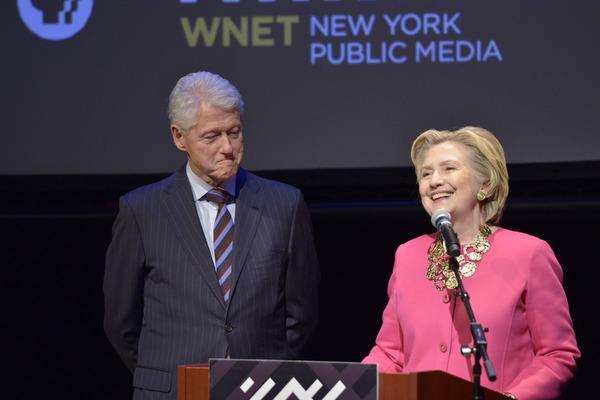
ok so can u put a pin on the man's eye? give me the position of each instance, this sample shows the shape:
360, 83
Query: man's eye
209, 138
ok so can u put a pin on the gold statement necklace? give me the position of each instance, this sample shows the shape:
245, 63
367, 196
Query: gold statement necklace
439, 270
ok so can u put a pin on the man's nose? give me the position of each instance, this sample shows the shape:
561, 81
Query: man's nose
226, 146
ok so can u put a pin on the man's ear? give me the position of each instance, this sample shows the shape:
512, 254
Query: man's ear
178, 139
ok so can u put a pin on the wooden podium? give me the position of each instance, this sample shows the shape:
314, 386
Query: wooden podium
193, 384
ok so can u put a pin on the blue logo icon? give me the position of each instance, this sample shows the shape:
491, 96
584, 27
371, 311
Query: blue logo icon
55, 19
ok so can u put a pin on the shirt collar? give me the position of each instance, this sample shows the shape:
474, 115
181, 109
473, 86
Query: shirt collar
200, 187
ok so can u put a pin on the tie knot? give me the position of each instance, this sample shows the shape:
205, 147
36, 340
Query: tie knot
218, 196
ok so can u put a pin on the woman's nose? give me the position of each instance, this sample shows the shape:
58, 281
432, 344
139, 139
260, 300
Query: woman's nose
436, 180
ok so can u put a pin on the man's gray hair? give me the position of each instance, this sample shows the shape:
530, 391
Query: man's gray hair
199, 89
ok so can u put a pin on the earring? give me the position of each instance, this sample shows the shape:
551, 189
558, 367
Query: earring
480, 196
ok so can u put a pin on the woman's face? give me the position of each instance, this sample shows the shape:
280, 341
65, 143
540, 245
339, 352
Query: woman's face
448, 182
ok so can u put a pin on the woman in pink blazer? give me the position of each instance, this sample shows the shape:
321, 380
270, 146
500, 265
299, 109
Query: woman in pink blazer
513, 279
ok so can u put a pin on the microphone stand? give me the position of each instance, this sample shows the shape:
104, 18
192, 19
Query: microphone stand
480, 348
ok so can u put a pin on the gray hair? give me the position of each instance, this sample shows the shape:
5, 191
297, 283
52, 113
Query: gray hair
199, 89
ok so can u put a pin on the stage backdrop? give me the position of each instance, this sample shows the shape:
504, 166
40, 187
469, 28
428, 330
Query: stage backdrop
327, 83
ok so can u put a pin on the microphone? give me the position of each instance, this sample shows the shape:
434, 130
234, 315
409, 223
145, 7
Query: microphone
441, 220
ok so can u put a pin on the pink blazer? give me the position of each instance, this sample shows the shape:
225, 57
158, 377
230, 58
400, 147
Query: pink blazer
516, 292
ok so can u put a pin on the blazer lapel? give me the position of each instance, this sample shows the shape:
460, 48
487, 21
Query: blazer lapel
178, 203
248, 212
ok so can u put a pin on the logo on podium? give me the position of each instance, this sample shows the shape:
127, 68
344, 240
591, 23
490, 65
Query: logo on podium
281, 380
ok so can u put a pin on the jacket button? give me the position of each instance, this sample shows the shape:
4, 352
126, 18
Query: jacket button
446, 298
443, 348
228, 328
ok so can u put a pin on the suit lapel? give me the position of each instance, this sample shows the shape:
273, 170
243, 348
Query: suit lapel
248, 212
178, 203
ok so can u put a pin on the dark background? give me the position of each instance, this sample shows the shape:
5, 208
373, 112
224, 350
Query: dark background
96, 102
54, 232
84, 121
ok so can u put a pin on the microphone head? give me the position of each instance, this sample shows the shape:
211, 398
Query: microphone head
439, 215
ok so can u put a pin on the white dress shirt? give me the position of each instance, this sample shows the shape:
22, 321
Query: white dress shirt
207, 211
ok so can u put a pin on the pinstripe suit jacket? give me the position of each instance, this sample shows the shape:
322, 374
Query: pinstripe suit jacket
163, 304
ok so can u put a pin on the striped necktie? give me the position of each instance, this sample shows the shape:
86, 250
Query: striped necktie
223, 239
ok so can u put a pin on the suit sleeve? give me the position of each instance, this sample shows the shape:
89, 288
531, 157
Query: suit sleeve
302, 281
123, 286
551, 330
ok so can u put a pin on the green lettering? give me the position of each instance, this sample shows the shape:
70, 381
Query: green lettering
200, 27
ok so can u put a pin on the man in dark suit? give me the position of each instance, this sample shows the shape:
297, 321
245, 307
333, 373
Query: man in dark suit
175, 293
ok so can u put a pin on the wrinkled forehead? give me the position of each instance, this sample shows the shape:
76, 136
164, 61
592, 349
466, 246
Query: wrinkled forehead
441, 152
445, 152
207, 107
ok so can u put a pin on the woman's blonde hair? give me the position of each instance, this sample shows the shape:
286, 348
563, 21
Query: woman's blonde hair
487, 159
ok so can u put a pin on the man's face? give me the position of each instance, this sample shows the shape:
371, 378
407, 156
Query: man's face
214, 145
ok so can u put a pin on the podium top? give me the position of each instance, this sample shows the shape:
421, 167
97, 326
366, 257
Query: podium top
193, 384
